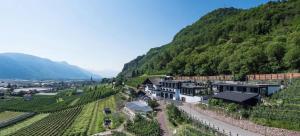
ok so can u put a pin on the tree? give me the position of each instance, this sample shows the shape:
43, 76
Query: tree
153, 103
292, 58
275, 50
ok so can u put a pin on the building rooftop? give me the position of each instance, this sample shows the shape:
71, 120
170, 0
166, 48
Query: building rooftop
191, 85
152, 80
155, 80
138, 106
235, 96
245, 84
32, 89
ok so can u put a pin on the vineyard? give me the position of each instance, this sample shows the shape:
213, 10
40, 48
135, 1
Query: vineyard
12, 129
6, 115
53, 125
59, 102
90, 120
9, 118
67, 114
281, 110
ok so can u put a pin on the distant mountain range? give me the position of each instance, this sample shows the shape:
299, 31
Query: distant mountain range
23, 66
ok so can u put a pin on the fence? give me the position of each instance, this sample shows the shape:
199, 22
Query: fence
281, 76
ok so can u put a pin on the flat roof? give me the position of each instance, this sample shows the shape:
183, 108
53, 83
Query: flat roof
191, 85
138, 106
235, 96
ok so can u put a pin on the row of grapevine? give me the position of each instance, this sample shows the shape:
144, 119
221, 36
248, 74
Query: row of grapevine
283, 110
61, 101
96, 93
90, 120
14, 128
37, 104
81, 123
53, 125
16, 119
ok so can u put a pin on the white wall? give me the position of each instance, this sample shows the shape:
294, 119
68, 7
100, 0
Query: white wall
191, 99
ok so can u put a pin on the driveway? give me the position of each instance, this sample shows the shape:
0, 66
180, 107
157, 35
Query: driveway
219, 125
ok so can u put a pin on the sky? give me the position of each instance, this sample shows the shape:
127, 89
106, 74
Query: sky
98, 35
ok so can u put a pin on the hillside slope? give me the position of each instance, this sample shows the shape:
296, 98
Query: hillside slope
265, 39
22, 66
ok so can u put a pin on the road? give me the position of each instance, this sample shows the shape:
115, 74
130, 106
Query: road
228, 129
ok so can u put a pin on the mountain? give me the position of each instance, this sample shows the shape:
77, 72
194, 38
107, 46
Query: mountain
22, 66
264, 39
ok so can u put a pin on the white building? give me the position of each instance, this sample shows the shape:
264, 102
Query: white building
152, 86
179, 90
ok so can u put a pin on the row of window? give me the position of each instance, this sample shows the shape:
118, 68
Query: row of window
170, 85
242, 89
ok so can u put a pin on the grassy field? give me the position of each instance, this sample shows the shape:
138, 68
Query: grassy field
7, 115
12, 129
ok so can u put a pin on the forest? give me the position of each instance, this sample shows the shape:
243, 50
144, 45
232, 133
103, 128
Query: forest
264, 39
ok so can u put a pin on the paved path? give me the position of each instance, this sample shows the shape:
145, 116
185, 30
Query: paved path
229, 129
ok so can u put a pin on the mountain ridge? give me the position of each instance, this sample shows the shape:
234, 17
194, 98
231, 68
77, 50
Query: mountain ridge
24, 66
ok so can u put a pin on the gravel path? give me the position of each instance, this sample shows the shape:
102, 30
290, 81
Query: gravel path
162, 120
247, 125
223, 127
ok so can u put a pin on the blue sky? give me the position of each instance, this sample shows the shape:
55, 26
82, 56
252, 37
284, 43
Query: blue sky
98, 34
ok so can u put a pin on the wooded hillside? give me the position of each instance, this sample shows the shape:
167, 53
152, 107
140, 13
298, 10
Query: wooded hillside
265, 39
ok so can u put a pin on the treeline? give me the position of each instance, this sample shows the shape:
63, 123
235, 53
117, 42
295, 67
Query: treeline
265, 39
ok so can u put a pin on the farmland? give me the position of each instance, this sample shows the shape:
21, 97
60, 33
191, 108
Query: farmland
55, 124
63, 100
6, 115
21, 125
90, 120
66, 114
281, 110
